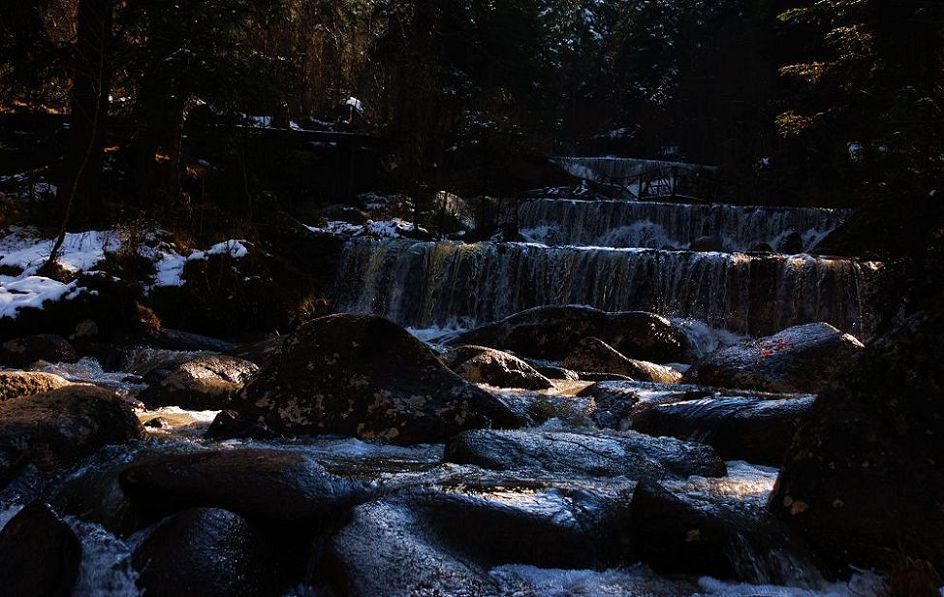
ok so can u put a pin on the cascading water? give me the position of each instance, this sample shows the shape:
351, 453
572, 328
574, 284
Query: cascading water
657, 225
449, 284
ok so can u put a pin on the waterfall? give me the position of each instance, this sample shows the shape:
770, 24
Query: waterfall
657, 225
423, 284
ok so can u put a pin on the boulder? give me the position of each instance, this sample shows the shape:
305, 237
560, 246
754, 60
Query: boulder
615, 401
363, 376
57, 428
710, 529
261, 353
864, 477
479, 364
23, 352
804, 358
707, 244
205, 383
600, 454
596, 356
211, 552
791, 244
552, 332
762, 248
14, 384
39, 554
345, 213
258, 484
436, 542
758, 431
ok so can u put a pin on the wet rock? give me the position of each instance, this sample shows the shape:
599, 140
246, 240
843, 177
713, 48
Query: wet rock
396, 546
804, 358
615, 401
157, 423
14, 384
791, 244
707, 243
386, 550
364, 376
258, 484
863, 479
57, 428
23, 352
552, 332
701, 531
205, 383
211, 552
261, 353
187, 341
629, 454
39, 554
758, 431
596, 356
479, 364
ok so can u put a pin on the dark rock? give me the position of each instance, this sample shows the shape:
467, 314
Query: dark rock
791, 244
707, 243
258, 484
762, 248
598, 377
714, 531
596, 356
39, 554
805, 358
261, 353
345, 213
212, 552
205, 383
552, 332
615, 401
629, 454
23, 352
434, 542
157, 423
14, 384
479, 364
863, 479
758, 431
364, 376
229, 424
188, 341
57, 428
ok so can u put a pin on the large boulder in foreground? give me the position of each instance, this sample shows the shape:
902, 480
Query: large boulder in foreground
39, 554
23, 352
479, 364
758, 431
629, 454
864, 478
552, 332
596, 356
211, 552
364, 376
268, 485
205, 383
805, 358
14, 384
57, 428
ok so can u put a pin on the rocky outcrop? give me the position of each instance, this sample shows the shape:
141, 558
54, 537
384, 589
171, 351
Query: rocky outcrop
863, 479
758, 431
23, 352
707, 529
205, 383
364, 376
552, 333
259, 484
39, 554
596, 356
629, 454
479, 364
805, 358
211, 552
57, 428
14, 384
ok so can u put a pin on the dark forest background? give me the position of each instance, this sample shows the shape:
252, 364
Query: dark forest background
153, 106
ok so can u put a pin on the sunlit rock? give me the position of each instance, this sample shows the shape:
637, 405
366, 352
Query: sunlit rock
596, 356
479, 364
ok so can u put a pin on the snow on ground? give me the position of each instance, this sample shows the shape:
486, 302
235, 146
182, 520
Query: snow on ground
391, 228
23, 251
